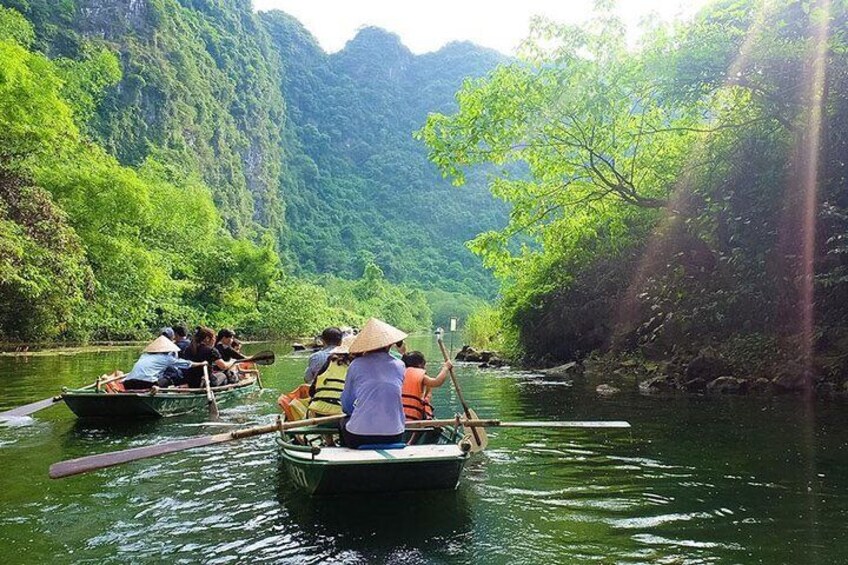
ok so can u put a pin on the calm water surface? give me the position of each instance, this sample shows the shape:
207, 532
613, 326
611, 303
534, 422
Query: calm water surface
698, 480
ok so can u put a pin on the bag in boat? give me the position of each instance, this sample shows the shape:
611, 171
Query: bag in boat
295, 403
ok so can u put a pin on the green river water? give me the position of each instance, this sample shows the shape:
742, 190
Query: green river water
697, 480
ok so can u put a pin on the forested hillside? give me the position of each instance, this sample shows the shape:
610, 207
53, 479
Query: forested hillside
191, 161
688, 193
362, 187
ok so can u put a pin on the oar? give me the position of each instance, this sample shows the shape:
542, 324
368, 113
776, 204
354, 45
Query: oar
262, 358
480, 441
477, 423
32, 408
210, 396
415, 425
103, 460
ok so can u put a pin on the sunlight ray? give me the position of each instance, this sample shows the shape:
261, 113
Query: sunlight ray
679, 197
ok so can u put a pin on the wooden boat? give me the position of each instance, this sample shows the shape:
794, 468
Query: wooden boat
434, 461
155, 403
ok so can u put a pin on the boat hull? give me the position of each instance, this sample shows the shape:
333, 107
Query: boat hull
337, 470
132, 406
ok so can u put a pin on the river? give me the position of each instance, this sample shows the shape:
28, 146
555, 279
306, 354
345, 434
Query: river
697, 480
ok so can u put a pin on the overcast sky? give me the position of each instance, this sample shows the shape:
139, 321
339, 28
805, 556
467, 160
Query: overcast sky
426, 25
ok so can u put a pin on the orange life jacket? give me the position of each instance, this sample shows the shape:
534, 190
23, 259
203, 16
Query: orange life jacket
415, 405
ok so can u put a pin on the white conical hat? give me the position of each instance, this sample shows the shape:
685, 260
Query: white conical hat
376, 334
162, 345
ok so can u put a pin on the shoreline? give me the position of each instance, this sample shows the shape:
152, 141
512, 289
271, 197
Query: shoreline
48, 349
40, 350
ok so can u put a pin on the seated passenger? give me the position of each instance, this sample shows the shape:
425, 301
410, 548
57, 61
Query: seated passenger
372, 390
326, 390
181, 338
158, 366
224, 345
202, 349
236, 345
417, 386
317, 364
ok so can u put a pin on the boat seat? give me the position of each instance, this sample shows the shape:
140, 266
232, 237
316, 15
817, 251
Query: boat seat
399, 445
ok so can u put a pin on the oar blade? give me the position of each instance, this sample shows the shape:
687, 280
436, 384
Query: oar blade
478, 438
101, 461
210, 396
264, 358
29, 409
571, 424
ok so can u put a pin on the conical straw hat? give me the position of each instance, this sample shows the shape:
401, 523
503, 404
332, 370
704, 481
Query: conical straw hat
345, 345
162, 345
376, 334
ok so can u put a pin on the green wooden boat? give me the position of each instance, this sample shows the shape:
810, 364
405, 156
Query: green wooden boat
434, 462
91, 403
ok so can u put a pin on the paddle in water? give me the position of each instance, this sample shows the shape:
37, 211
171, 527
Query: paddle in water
266, 357
103, 460
210, 396
32, 408
479, 441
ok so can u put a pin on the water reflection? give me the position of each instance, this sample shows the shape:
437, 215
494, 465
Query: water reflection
698, 480
402, 527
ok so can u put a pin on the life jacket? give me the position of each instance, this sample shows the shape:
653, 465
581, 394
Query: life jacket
415, 405
329, 385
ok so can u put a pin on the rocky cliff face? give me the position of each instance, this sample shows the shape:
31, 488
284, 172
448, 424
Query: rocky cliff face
251, 105
114, 19
200, 92
363, 184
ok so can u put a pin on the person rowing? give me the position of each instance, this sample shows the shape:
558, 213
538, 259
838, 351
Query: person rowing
418, 387
158, 366
224, 345
202, 350
372, 391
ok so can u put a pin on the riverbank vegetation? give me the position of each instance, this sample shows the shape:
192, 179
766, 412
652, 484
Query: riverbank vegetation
197, 162
91, 248
684, 194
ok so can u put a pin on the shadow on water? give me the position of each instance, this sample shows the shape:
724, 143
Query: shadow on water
405, 527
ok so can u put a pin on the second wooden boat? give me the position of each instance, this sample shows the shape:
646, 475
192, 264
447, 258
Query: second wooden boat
92, 403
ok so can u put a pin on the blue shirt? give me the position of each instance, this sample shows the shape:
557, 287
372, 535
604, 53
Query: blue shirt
150, 366
317, 362
372, 395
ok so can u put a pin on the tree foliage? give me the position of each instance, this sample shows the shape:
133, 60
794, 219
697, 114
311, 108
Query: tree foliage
93, 248
657, 192
357, 179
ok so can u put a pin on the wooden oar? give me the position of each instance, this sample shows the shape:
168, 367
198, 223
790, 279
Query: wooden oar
415, 425
261, 358
210, 396
480, 441
103, 460
32, 408
477, 423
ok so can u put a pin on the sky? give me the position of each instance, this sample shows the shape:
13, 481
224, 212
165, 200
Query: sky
427, 25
